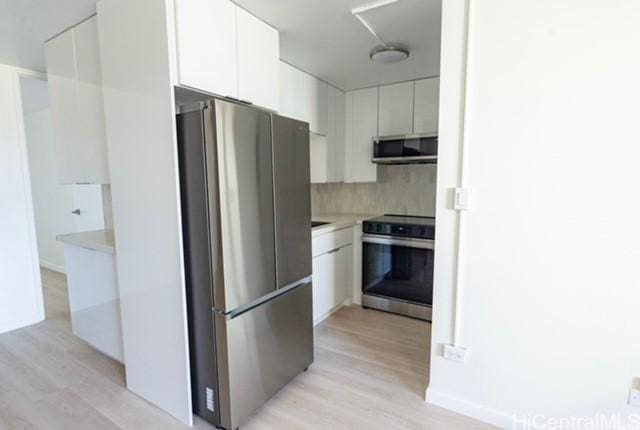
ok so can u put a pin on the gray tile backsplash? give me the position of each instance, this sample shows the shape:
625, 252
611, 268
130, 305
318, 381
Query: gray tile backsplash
401, 189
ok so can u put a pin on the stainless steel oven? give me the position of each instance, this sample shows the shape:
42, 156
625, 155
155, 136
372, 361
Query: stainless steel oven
397, 265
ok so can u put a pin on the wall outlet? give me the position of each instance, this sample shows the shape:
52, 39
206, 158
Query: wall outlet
455, 353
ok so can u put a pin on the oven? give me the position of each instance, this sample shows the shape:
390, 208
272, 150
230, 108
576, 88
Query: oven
397, 274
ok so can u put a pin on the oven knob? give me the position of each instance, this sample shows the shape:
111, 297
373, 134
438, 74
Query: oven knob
379, 227
421, 232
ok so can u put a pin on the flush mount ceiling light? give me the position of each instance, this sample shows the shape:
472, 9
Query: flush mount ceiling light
388, 54
385, 53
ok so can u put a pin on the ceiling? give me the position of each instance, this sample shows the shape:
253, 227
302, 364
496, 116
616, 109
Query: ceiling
26, 24
322, 38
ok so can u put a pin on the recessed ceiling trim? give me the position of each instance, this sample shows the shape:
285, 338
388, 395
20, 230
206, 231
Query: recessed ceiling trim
371, 30
369, 6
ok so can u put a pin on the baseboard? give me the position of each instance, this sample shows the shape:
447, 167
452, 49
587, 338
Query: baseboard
332, 311
51, 266
472, 410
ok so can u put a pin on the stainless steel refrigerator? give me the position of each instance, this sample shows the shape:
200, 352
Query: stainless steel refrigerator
246, 219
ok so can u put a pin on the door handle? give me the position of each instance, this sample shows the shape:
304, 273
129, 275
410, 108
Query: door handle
76, 212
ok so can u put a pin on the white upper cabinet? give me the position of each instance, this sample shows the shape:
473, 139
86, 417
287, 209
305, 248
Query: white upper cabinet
61, 76
207, 46
304, 98
224, 50
335, 134
395, 114
258, 61
426, 105
318, 155
361, 127
92, 130
77, 109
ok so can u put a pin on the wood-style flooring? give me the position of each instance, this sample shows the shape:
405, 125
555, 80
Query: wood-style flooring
370, 372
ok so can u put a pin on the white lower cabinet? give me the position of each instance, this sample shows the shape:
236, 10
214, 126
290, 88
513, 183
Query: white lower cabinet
332, 280
94, 299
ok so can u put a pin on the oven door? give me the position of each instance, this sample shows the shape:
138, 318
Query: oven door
398, 268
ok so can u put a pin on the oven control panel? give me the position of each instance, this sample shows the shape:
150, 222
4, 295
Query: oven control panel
402, 230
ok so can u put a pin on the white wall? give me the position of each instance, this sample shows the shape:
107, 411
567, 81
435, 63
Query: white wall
20, 285
52, 202
551, 286
141, 136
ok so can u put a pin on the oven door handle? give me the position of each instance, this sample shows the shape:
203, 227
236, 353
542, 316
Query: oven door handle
406, 242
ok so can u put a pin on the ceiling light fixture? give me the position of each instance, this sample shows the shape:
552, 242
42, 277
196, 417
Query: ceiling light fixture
385, 53
389, 54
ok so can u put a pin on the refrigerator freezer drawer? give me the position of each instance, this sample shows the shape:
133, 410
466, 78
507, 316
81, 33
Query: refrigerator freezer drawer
266, 347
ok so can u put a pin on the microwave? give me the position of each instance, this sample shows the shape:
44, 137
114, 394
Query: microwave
405, 149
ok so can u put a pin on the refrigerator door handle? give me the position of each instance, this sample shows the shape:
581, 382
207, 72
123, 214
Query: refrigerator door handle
264, 299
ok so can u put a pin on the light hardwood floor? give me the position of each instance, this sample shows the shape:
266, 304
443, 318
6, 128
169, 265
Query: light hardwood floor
370, 372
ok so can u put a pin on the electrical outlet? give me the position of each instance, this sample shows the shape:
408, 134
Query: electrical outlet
455, 353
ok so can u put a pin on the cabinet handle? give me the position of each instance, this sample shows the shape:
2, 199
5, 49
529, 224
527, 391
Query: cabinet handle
76, 212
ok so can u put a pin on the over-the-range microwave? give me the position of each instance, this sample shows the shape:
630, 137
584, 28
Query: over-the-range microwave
405, 149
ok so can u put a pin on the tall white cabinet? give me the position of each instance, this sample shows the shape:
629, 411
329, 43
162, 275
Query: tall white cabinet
336, 118
309, 99
395, 109
426, 105
361, 127
224, 50
77, 111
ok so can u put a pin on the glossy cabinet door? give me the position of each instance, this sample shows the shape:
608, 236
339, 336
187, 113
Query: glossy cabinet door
332, 280
61, 76
91, 123
207, 46
335, 134
361, 127
319, 156
77, 106
94, 300
395, 111
305, 98
258, 61
426, 105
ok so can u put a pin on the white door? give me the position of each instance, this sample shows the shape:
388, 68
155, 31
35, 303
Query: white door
88, 211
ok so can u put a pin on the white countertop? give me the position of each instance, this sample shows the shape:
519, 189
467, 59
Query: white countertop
338, 221
97, 240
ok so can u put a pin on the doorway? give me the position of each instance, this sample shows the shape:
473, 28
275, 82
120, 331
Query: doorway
58, 208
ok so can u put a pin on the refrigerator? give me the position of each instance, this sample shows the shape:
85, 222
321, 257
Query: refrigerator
246, 216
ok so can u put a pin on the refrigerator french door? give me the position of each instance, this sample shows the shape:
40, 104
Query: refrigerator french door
247, 240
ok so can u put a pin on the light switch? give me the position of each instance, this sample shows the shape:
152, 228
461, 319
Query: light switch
461, 199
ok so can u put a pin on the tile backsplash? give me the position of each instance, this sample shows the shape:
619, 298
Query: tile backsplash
401, 189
